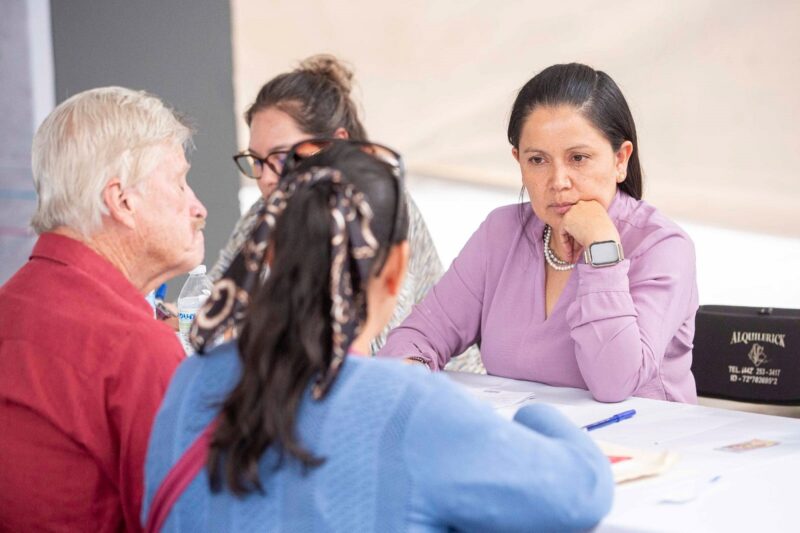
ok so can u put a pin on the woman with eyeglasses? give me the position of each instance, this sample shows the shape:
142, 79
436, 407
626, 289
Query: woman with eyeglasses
586, 285
313, 101
290, 429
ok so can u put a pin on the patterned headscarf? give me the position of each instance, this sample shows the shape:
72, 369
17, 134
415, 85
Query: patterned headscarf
353, 245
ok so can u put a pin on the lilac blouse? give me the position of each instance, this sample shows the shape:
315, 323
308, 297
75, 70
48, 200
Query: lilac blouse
617, 331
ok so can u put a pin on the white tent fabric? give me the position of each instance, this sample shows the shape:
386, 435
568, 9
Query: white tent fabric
26, 64
712, 84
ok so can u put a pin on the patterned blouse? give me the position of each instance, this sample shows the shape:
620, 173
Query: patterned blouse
424, 270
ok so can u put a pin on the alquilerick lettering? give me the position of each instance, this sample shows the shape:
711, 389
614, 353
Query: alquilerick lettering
744, 337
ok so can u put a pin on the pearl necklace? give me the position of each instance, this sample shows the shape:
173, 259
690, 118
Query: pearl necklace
550, 256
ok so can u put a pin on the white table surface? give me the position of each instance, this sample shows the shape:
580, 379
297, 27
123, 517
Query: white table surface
757, 490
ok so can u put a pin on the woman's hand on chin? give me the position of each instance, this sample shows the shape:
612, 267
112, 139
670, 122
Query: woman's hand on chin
585, 223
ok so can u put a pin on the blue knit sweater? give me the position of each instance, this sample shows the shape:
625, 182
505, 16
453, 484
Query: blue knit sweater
404, 451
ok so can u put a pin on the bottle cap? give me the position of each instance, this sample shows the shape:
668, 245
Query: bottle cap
199, 269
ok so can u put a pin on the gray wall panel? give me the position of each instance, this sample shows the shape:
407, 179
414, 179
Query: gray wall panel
179, 50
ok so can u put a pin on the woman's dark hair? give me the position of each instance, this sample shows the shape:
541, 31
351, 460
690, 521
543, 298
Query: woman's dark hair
317, 97
596, 96
360, 169
287, 338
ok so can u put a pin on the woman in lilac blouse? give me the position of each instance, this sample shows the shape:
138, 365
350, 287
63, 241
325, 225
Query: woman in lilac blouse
591, 287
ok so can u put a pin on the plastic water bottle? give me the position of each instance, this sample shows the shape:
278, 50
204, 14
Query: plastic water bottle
193, 295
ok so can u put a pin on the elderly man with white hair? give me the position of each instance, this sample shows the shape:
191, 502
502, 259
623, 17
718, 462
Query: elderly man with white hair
83, 363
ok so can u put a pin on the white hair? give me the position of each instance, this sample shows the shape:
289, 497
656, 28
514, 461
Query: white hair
90, 138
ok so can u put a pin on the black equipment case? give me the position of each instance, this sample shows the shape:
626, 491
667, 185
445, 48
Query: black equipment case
748, 354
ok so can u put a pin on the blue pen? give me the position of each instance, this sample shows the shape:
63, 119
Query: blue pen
619, 417
161, 291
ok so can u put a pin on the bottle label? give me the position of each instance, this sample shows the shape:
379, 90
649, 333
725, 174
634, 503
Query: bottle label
185, 319
190, 301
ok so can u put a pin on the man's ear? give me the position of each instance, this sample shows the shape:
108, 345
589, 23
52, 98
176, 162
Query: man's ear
341, 133
394, 270
120, 202
515, 153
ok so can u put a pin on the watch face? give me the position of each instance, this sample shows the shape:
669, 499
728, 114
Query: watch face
605, 253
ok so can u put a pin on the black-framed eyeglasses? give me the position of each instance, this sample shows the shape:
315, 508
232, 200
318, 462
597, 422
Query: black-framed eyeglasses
310, 147
252, 165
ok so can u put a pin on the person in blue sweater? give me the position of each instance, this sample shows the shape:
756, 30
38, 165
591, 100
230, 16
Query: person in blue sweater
310, 435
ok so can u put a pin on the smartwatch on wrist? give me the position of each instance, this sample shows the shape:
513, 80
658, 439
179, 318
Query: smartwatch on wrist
603, 254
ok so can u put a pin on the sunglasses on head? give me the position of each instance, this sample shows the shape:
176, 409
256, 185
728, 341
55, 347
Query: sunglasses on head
311, 147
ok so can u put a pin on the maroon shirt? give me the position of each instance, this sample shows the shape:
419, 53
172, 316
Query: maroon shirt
83, 369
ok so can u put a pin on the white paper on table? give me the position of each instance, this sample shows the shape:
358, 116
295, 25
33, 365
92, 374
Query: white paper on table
671, 426
499, 398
